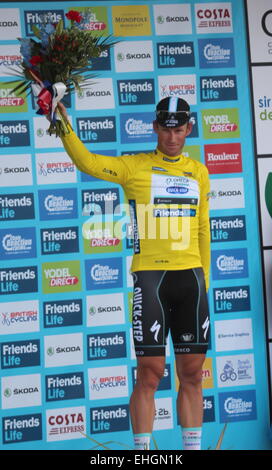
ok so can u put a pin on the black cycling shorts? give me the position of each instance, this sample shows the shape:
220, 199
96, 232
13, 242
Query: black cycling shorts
170, 300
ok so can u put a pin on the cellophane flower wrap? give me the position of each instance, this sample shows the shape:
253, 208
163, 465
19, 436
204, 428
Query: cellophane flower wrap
57, 61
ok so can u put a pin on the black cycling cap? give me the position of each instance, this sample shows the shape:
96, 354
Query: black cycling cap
172, 112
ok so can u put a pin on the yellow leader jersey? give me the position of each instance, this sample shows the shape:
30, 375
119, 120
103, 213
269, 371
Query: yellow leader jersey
168, 198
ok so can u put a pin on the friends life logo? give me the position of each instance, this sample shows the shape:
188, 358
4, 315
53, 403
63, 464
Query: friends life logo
14, 134
218, 88
229, 264
107, 345
58, 204
17, 243
68, 386
17, 206
23, 428
37, 17
136, 92
18, 280
20, 354
109, 419
96, 129
175, 54
100, 201
61, 313
216, 53
59, 240
230, 228
231, 299
63, 276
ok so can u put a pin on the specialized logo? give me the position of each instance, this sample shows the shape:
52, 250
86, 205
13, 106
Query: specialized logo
58, 203
134, 56
107, 345
18, 280
102, 273
229, 264
155, 328
237, 406
23, 428
63, 276
175, 54
137, 128
14, 133
216, 52
133, 92
108, 382
17, 206
66, 423
218, 88
109, 419
20, 354
37, 17
96, 129
181, 86
20, 317
62, 313
100, 201
17, 243
231, 299
205, 327
65, 386
172, 19
59, 240
63, 350
213, 18
231, 228
131, 20
223, 158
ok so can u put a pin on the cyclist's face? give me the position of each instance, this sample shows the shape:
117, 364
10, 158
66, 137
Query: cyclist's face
171, 140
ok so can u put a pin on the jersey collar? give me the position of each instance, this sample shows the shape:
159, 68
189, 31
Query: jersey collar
162, 157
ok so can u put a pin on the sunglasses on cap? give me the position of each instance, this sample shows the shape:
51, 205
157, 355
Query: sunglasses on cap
172, 119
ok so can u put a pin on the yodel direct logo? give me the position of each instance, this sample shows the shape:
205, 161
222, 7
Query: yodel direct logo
61, 277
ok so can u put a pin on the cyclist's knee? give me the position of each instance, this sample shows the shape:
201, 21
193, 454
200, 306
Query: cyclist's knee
150, 371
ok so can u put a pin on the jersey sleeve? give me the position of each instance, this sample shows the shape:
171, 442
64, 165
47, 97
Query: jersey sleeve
204, 225
114, 169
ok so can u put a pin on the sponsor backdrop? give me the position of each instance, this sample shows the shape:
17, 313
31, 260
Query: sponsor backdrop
67, 360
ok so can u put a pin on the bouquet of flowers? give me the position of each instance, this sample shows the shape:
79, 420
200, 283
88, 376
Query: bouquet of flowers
58, 61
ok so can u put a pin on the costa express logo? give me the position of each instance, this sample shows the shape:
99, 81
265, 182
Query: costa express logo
216, 53
20, 354
133, 92
221, 123
63, 276
18, 243
23, 428
12, 102
59, 240
231, 299
37, 17
16, 206
109, 419
58, 204
102, 238
14, 133
214, 18
62, 313
18, 280
219, 88
66, 423
108, 345
101, 129
65, 386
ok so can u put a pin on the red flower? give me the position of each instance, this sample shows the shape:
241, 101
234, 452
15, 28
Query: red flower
35, 60
74, 16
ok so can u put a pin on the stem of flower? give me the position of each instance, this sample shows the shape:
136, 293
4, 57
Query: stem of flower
63, 121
